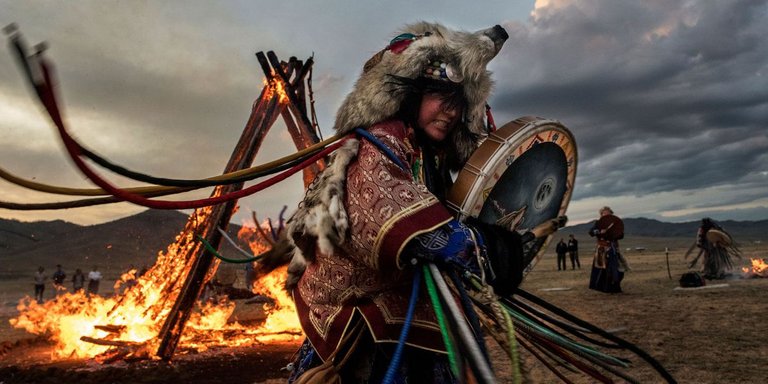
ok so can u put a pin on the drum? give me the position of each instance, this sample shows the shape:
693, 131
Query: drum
614, 227
718, 238
520, 176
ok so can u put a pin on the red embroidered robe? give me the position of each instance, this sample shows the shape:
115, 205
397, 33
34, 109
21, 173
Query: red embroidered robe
386, 209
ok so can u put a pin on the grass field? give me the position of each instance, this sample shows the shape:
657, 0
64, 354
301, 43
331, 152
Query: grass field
715, 335
712, 335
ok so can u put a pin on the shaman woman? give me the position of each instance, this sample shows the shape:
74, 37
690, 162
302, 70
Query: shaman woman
377, 211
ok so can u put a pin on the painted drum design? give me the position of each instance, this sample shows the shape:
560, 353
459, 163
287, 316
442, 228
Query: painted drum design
520, 176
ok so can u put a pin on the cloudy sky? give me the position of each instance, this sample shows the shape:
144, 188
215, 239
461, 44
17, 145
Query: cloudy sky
667, 100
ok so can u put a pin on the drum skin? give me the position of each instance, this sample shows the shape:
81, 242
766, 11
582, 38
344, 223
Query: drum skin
718, 238
521, 175
614, 228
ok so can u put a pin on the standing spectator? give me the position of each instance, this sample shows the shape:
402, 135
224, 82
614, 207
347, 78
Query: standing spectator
94, 277
40, 279
573, 251
78, 280
561, 250
607, 268
58, 278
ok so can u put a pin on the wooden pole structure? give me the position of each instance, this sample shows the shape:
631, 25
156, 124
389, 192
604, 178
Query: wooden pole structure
264, 113
262, 117
295, 117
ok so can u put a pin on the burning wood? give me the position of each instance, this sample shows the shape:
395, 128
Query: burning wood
114, 343
127, 353
759, 268
277, 94
110, 328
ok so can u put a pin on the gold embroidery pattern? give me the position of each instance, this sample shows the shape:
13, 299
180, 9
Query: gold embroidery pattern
378, 195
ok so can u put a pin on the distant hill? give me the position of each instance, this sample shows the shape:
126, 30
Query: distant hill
16, 235
742, 231
134, 240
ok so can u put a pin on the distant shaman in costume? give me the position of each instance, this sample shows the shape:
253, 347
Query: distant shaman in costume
609, 265
716, 250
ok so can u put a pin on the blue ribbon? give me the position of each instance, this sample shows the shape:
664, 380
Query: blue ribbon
383, 147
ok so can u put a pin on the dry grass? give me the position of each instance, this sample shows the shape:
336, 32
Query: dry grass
713, 335
701, 336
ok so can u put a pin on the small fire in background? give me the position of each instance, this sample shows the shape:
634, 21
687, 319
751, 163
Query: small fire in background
91, 326
759, 268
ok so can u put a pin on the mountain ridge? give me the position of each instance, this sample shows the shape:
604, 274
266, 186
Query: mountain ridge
644, 227
129, 241
136, 240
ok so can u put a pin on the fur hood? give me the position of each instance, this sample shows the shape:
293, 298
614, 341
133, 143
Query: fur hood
375, 98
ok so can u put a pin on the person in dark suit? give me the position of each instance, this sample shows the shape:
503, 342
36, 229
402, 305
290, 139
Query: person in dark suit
561, 250
573, 251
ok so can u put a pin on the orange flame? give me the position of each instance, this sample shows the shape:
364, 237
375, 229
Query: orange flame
252, 236
759, 268
275, 86
135, 316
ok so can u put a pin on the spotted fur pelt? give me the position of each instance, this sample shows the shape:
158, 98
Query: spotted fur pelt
321, 220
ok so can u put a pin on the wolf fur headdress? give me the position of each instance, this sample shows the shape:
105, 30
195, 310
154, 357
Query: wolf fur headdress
375, 97
321, 220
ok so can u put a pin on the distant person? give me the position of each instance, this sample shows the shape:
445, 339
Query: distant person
607, 267
573, 251
94, 278
716, 249
40, 279
78, 280
561, 250
58, 278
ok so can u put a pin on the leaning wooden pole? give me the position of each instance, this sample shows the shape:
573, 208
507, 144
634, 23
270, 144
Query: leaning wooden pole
263, 114
295, 117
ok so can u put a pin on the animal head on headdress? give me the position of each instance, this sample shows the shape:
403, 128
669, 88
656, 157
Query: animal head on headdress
426, 50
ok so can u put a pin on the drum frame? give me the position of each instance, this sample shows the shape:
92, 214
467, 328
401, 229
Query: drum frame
499, 151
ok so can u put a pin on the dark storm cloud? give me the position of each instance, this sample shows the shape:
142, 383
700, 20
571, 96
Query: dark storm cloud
166, 87
665, 98
661, 96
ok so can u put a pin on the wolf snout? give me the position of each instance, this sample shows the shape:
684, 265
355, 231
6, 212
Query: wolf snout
498, 35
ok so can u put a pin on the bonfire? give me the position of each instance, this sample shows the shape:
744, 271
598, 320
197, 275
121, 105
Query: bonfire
127, 325
159, 311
